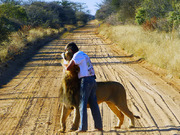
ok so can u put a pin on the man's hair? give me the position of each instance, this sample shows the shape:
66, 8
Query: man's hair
72, 46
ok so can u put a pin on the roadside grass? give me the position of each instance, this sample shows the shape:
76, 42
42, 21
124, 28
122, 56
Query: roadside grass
159, 48
25, 37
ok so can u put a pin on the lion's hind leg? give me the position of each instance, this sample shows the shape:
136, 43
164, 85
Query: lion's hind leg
118, 113
127, 112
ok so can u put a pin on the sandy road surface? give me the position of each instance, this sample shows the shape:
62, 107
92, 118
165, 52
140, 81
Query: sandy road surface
29, 104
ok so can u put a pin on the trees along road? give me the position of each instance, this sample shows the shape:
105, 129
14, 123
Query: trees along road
29, 102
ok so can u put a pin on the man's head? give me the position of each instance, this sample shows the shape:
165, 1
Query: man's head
72, 47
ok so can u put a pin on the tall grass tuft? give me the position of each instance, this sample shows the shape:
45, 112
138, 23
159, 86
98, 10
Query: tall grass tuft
19, 40
159, 48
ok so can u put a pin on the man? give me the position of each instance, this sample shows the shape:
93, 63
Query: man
87, 87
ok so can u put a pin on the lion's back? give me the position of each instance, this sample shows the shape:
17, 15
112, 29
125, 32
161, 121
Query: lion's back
110, 90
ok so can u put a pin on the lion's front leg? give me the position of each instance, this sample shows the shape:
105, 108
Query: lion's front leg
76, 119
64, 114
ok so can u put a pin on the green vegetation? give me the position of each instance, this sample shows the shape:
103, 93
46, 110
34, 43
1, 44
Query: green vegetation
24, 38
163, 15
149, 29
27, 23
160, 49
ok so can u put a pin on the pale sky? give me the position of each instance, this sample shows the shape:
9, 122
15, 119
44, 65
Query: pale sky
91, 4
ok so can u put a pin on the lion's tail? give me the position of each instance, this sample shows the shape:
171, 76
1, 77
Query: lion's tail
137, 117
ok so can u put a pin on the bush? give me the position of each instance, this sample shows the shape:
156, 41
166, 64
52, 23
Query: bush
11, 18
114, 19
163, 25
51, 14
4, 30
174, 19
10, 10
159, 48
156, 8
150, 24
81, 16
140, 16
80, 24
105, 10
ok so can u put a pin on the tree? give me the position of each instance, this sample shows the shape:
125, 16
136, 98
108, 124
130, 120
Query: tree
4, 32
127, 8
156, 8
174, 16
105, 10
81, 16
15, 2
46, 14
12, 11
140, 15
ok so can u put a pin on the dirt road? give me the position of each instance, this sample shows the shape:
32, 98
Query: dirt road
29, 103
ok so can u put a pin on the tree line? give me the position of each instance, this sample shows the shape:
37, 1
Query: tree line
15, 14
152, 14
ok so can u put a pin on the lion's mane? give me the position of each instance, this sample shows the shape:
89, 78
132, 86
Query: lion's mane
69, 90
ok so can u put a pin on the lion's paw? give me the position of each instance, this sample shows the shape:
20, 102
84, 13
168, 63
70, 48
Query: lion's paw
117, 127
61, 130
72, 129
131, 126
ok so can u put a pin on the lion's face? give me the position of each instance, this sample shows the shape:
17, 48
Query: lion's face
68, 55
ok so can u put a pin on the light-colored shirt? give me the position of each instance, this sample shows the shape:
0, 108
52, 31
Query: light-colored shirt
83, 61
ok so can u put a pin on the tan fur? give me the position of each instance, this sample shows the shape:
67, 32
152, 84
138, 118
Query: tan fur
113, 93
69, 89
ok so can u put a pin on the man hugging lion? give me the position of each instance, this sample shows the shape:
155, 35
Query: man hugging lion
79, 90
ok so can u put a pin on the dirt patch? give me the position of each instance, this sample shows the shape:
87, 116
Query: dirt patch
29, 102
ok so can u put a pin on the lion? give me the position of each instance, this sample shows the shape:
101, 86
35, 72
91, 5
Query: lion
111, 92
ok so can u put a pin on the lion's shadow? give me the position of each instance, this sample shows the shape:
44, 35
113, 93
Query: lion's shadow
142, 130
117, 62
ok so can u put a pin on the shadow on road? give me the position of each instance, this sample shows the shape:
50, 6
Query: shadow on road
14, 67
142, 130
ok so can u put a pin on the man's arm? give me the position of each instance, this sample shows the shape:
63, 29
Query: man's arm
70, 65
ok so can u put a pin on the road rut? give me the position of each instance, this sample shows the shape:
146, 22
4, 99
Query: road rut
29, 102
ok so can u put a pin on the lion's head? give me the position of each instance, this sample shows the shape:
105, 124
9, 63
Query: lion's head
67, 56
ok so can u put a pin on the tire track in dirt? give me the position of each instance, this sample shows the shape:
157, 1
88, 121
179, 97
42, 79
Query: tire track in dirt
29, 103
38, 81
144, 99
149, 88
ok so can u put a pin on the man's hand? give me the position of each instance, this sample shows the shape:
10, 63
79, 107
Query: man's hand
70, 65
65, 63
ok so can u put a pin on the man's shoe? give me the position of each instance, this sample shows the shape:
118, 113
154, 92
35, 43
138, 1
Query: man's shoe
81, 131
97, 129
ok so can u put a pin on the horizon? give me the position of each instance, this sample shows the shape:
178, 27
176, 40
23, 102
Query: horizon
91, 5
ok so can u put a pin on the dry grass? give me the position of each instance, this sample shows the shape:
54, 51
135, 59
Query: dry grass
3, 54
161, 49
19, 40
39, 33
69, 27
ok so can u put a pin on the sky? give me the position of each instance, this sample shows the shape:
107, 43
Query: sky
91, 5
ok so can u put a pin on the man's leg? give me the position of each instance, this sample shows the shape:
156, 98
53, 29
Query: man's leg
95, 108
83, 104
